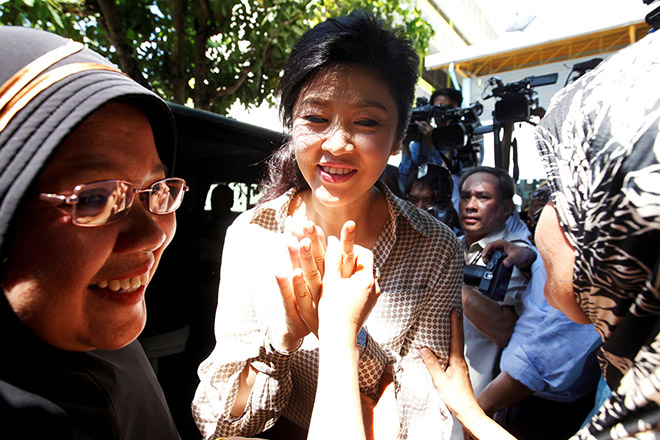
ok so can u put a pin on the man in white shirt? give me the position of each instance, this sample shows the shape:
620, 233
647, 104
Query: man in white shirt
485, 205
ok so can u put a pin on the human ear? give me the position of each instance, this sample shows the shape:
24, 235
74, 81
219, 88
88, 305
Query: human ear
508, 206
396, 147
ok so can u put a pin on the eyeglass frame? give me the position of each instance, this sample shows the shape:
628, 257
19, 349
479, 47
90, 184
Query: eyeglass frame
72, 200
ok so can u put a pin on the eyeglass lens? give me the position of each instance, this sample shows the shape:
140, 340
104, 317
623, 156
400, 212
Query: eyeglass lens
165, 196
102, 202
107, 201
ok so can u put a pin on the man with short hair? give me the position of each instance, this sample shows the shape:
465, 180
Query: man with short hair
486, 202
485, 205
548, 369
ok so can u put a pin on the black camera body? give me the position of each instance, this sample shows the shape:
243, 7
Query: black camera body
458, 134
420, 112
516, 100
492, 280
459, 131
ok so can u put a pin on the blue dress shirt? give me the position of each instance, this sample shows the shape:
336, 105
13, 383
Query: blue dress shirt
550, 354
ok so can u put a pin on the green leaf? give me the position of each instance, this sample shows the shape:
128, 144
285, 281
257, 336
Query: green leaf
243, 31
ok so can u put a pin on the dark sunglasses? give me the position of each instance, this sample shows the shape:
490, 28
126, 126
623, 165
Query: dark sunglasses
106, 201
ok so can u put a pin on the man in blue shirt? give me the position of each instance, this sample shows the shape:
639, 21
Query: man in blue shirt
421, 151
546, 360
548, 369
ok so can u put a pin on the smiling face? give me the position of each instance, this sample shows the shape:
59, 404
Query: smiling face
80, 288
482, 210
344, 129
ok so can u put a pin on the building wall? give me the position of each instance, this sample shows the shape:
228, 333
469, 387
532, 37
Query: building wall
529, 162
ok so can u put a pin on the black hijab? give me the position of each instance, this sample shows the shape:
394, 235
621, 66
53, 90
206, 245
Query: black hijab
33, 122
49, 85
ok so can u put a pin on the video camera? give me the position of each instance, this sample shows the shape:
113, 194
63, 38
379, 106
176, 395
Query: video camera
653, 17
516, 100
461, 124
491, 280
456, 132
421, 112
459, 133
581, 68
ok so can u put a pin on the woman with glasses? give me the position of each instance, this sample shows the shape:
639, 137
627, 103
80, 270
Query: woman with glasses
346, 94
86, 211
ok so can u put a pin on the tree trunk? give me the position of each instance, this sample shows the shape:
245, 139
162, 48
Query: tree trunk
117, 36
202, 34
178, 53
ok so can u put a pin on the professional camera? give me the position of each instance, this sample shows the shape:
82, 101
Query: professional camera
455, 132
581, 68
421, 112
460, 135
516, 100
459, 129
491, 280
653, 17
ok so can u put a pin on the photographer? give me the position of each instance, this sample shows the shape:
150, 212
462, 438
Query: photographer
421, 150
547, 362
485, 205
430, 189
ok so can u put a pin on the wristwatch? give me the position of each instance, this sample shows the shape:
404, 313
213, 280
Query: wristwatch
361, 341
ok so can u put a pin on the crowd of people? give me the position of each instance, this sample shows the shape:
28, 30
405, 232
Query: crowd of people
353, 318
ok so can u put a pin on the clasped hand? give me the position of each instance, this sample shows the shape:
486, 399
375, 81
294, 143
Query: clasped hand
334, 285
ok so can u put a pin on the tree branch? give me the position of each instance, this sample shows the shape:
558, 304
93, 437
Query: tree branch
117, 37
225, 91
265, 54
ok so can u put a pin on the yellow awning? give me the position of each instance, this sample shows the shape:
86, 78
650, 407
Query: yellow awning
491, 62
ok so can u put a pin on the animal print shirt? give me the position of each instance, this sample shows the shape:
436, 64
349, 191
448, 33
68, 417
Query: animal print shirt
600, 146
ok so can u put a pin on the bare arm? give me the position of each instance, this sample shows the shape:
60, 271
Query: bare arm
248, 375
559, 266
454, 387
502, 392
343, 308
493, 320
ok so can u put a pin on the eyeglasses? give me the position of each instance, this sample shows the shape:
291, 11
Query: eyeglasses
106, 201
